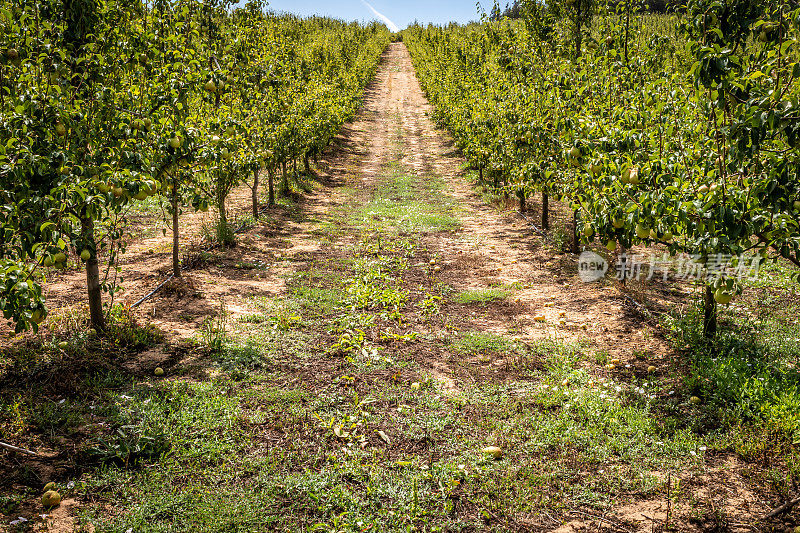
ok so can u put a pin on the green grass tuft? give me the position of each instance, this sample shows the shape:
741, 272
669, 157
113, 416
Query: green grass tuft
481, 296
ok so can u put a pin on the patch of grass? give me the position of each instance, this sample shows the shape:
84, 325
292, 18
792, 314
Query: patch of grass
271, 342
197, 421
151, 207
406, 202
236, 358
316, 292
601, 357
254, 318
773, 274
558, 355
610, 430
55, 416
317, 301
374, 285
187, 434
409, 216
747, 378
126, 331
274, 398
481, 296
242, 219
219, 232
214, 330
748, 381
478, 342
148, 217
376, 242
285, 317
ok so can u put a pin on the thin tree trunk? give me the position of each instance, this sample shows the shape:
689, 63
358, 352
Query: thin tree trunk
576, 245
521, 196
709, 313
623, 259
93, 278
480, 173
284, 179
306, 164
255, 192
176, 240
224, 233
223, 213
545, 211
271, 174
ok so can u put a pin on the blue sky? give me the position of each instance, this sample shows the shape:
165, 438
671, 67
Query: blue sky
401, 12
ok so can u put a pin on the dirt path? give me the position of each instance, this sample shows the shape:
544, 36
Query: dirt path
494, 247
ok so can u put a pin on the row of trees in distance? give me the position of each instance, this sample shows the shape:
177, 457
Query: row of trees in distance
104, 103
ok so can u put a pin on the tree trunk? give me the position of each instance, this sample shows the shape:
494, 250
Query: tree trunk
93, 278
224, 232
284, 179
709, 313
521, 196
306, 164
176, 241
271, 174
255, 192
223, 212
480, 173
576, 245
545, 211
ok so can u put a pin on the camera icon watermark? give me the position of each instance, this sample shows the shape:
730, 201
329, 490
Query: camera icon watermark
591, 267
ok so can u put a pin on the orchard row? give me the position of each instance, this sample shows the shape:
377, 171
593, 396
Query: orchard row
691, 142
104, 104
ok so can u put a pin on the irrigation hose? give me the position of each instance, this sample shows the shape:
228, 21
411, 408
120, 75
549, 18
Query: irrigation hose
151, 293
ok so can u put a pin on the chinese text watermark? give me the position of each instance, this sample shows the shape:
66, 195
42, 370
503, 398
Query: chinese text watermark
592, 267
